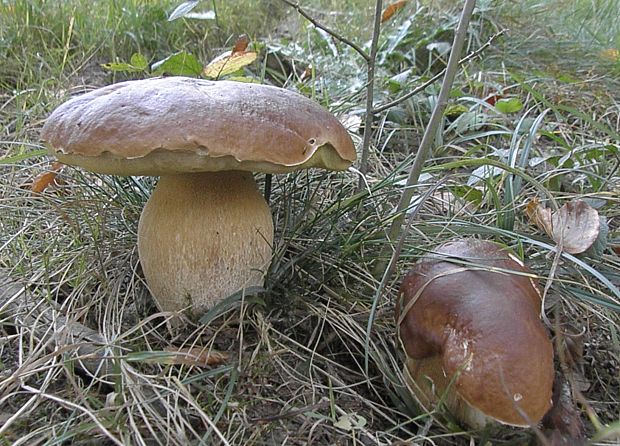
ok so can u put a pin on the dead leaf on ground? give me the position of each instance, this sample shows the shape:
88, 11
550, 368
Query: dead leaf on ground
307, 73
574, 227
195, 356
231, 61
493, 98
228, 63
241, 44
392, 9
539, 215
46, 179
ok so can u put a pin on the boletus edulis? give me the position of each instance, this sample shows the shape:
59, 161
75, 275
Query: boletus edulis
206, 232
468, 319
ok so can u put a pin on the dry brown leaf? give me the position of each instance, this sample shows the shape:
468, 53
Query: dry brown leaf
539, 215
45, 179
195, 356
307, 73
241, 44
392, 9
574, 227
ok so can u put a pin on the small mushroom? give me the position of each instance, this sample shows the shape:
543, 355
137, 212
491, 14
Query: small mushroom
206, 232
468, 318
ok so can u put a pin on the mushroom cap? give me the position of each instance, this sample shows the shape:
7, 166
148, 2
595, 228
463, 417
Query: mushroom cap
177, 124
483, 322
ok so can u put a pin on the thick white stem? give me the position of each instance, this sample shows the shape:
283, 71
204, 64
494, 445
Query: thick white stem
203, 237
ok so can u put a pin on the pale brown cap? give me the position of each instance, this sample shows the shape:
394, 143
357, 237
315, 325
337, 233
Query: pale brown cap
481, 315
177, 124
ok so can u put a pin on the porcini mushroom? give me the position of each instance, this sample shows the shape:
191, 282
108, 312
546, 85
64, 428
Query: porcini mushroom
468, 318
206, 232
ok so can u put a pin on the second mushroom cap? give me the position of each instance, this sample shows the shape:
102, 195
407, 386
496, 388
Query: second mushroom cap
469, 312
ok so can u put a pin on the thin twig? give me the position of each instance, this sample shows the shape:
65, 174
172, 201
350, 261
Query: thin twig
429, 134
331, 32
370, 88
432, 80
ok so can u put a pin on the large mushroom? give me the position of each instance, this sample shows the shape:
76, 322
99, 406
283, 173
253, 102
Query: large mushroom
206, 232
468, 318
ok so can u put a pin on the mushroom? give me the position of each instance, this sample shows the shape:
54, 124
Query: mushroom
468, 318
206, 232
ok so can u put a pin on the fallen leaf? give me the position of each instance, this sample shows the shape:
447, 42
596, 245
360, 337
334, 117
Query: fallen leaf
493, 98
350, 422
307, 73
392, 9
46, 179
241, 44
227, 63
539, 215
195, 356
574, 227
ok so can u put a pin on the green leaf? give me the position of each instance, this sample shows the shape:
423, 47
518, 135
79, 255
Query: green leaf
509, 105
137, 64
183, 9
139, 61
454, 110
468, 193
120, 66
179, 64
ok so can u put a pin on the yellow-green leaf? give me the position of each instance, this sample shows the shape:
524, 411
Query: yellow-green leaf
228, 63
509, 105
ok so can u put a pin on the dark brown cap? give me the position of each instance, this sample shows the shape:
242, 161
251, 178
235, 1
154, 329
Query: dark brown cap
475, 305
177, 124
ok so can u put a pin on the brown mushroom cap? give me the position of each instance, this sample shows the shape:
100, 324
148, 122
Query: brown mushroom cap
483, 322
176, 124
